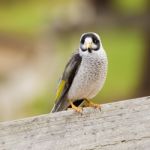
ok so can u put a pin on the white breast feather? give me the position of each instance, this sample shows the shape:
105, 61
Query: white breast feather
90, 77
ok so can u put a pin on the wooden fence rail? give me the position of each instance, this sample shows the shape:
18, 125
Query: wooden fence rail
123, 125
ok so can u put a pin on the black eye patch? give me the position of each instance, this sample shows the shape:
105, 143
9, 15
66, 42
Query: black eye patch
82, 41
95, 40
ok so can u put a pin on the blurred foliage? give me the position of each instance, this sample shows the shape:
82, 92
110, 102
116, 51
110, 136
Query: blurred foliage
27, 16
22, 17
130, 7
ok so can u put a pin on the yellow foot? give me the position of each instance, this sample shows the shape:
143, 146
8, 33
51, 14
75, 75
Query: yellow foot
91, 104
77, 109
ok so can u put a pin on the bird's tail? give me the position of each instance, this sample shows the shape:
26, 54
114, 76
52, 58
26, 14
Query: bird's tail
60, 105
63, 104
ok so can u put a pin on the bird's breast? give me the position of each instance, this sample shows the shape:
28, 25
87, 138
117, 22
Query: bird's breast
89, 78
91, 70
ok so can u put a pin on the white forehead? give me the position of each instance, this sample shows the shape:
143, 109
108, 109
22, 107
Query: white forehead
88, 40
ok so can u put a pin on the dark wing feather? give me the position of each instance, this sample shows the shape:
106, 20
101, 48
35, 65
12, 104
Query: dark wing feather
68, 76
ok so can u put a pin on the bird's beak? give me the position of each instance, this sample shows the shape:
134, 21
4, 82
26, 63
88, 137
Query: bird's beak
89, 45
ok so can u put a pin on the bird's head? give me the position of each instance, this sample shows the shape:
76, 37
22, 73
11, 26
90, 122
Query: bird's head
89, 43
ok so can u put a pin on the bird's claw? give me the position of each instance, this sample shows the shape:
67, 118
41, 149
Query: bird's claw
91, 104
78, 109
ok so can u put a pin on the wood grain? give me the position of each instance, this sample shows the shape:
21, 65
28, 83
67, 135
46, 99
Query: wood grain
123, 125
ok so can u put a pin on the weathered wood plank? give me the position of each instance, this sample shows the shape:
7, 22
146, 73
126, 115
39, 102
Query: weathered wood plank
121, 125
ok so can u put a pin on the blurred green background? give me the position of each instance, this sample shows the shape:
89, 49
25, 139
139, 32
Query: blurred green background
37, 38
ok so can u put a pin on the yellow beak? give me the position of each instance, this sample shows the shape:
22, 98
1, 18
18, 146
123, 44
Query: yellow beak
89, 45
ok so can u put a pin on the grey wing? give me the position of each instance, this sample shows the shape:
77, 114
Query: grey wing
67, 78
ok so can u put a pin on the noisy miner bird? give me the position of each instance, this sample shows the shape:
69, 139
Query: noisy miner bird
84, 75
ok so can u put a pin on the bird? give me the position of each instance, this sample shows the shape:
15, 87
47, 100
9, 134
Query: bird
84, 75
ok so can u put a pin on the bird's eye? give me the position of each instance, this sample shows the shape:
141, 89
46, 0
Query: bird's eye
96, 41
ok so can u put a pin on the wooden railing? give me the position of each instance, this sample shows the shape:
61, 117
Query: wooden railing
123, 125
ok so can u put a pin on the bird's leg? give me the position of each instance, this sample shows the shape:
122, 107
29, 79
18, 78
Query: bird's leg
77, 109
91, 104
